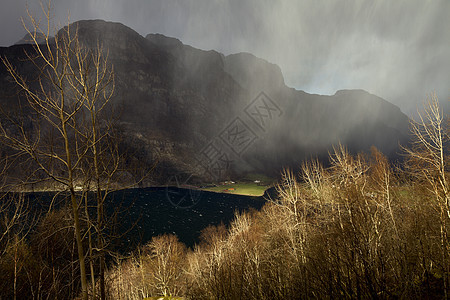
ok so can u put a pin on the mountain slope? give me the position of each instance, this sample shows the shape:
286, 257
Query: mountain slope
179, 105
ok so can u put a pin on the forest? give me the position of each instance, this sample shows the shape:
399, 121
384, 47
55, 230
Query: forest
361, 228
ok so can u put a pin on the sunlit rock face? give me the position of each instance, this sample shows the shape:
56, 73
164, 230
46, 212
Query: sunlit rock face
193, 110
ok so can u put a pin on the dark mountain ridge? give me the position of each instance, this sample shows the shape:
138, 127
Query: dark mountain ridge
178, 102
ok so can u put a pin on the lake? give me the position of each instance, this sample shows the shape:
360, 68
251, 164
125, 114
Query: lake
179, 211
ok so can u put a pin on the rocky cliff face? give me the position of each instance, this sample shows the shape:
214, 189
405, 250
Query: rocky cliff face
201, 112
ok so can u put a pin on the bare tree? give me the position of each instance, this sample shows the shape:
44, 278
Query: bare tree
427, 161
314, 175
67, 142
164, 262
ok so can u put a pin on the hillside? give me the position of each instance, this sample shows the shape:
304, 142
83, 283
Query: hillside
215, 116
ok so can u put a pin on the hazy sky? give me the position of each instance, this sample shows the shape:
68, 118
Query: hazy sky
396, 49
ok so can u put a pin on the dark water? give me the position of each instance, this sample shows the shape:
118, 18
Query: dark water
183, 212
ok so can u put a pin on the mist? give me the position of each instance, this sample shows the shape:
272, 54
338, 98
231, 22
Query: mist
398, 50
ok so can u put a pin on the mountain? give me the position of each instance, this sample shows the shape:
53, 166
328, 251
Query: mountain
211, 115
28, 38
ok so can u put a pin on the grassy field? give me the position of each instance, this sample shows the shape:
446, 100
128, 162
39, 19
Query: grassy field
250, 185
247, 189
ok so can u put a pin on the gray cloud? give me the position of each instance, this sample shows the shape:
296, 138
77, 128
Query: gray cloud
399, 50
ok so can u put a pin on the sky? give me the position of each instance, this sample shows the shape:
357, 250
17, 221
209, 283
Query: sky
396, 49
